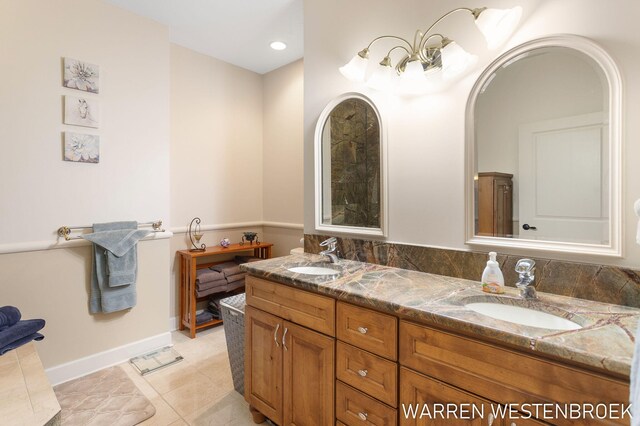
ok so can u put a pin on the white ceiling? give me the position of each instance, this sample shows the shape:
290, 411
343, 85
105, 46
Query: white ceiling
235, 31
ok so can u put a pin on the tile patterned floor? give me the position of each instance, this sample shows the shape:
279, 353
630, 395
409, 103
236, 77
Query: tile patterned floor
196, 391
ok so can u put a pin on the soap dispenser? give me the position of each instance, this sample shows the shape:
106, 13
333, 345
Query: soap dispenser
492, 279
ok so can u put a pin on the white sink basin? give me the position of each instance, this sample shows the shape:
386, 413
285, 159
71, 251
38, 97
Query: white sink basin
313, 270
523, 316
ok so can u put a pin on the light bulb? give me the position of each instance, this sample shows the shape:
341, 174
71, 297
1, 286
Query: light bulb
384, 78
497, 24
412, 79
455, 60
355, 69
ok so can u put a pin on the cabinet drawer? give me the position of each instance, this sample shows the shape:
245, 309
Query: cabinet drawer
367, 329
426, 394
503, 375
369, 373
354, 408
301, 307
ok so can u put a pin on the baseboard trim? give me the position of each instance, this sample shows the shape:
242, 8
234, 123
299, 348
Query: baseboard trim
174, 323
83, 366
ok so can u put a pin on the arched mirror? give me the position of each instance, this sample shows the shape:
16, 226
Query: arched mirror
350, 174
543, 149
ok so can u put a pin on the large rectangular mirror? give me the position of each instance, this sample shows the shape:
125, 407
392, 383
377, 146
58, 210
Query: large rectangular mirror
350, 173
543, 147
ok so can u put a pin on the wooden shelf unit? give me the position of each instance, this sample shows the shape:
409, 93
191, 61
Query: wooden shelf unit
188, 266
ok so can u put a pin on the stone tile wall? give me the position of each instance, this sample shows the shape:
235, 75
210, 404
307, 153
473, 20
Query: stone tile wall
355, 165
609, 284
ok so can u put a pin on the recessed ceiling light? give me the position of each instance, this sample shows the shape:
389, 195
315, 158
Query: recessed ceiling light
278, 45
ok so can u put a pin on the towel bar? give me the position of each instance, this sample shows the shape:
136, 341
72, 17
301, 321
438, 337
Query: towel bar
65, 231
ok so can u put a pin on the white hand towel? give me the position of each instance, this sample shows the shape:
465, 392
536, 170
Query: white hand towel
636, 206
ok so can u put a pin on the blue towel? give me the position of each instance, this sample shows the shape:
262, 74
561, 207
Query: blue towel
120, 249
19, 331
105, 298
9, 315
20, 342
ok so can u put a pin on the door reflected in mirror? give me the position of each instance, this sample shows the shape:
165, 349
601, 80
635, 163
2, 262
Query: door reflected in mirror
543, 149
542, 163
349, 176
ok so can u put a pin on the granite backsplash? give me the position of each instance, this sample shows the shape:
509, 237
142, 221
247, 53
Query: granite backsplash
600, 283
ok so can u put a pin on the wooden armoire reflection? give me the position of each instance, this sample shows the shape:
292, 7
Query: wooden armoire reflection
495, 204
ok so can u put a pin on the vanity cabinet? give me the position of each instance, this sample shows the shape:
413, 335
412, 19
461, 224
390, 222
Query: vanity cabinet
502, 375
495, 204
312, 360
289, 368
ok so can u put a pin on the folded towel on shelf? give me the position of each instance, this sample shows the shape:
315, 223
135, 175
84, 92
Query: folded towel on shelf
236, 285
211, 284
247, 259
234, 278
227, 268
214, 311
207, 275
221, 289
9, 315
15, 335
204, 316
210, 291
104, 298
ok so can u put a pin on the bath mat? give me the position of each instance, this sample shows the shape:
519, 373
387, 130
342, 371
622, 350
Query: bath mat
155, 360
106, 397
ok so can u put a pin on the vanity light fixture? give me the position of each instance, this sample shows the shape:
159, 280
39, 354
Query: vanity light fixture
278, 45
432, 57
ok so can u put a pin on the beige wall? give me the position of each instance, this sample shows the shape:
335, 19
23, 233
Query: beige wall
283, 144
236, 153
54, 285
426, 133
283, 149
158, 101
39, 192
216, 140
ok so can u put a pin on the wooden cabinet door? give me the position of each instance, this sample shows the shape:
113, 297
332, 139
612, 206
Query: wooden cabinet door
418, 391
263, 363
309, 377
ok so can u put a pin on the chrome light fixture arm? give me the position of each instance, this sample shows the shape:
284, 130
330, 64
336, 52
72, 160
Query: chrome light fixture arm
494, 24
451, 12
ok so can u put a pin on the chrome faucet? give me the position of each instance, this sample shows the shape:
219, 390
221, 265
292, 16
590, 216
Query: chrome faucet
525, 268
330, 252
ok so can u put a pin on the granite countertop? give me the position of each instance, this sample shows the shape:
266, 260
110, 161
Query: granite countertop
605, 341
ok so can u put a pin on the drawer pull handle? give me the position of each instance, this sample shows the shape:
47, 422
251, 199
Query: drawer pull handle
275, 335
363, 330
491, 419
284, 336
363, 416
362, 373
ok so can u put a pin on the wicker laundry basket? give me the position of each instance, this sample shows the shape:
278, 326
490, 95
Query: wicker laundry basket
233, 321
